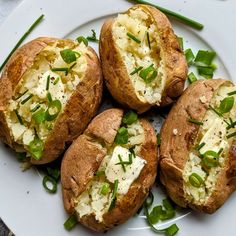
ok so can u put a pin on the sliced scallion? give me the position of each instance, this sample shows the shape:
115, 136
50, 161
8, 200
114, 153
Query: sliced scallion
135, 39
54, 173
192, 78
189, 55
129, 118
105, 189
226, 105
53, 110
70, 222
148, 74
195, 180
181, 42
49, 184
204, 58
100, 173
206, 72
122, 136
39, 116
68, 55
210, 159
36, 148
82, 39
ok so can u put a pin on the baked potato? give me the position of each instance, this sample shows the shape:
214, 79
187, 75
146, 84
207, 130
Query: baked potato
50, 90
142, 62
107, 172
197, 153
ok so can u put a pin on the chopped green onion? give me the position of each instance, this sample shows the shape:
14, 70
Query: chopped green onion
148, 74
149, 200
51, 114
48, 82
27, 99
100, 173
22, 94
21, 40
54, 173
131, 36
49, 180
130, 117
136, 70
56, 81
181, 43
68, 55
231, 93
49, 97
148, 40
36, 148
204, 58
192, 78
226, 105
155, 214
122, 136
184, 19
231, 135
105, 189
63, 69
196, 122
206, 72
93, 38
18, 117
167, 204
35, 108
210, 159
189, 56
70, 222
200, 146
21, 156
39, 116
82, 39
195, 180
172, 230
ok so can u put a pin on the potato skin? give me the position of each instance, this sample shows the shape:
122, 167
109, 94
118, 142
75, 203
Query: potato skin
79, 110
115, 73
175, 149
75, 165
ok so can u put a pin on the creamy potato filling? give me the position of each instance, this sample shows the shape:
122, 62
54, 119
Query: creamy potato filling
137, 39
42, 94
207, 158
113, 179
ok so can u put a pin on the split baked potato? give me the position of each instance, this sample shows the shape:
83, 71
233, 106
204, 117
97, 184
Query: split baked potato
107, 172
142, 61
197, 153
50, 90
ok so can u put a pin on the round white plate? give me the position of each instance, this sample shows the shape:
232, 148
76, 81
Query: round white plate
24, 205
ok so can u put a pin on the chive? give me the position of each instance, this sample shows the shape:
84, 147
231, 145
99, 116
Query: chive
48, 82
35, 108
206, 72
226, 105
148, 74
136, 70
100, 173
210, 159
131, 36
122, 136
132, 152
192, 78
72, 66
218, 113
220, 151
22, 39
231, 135
158, 140
70, 222
181, 43
82, 39
121, 163
68, 55
56, 81
231, 124
105, 189
195, 180
231, 93
63, 69
196, 122
18, 117
51, 189
184, 19
27, 99
22, 94
113, 202
204, 58
93, 38
56, 104
200, 146
54, 173
189, 56
129, 118
36, 148
49, 97
148, 40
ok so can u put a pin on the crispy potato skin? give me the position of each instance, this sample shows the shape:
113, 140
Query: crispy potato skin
116, 76
175, 149
79, 110
103, 128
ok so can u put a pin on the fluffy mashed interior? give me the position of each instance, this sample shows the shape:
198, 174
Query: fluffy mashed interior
92, 201
144, 54
44, 83
213, 134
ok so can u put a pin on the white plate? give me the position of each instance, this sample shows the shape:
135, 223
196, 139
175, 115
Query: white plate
24, 205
